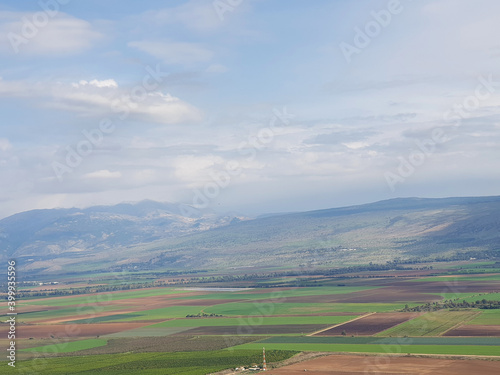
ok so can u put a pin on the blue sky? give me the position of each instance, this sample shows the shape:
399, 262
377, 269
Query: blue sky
252, 106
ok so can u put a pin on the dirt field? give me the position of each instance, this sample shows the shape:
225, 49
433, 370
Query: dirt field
358, 365
369, 325
69, 330
475, 330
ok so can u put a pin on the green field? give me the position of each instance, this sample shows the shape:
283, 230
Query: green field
487, 296
472, 275
487, 317
430, 324
380, 348
258, 308
295, 292
182, 363
486, 278
67, 311
162, 313
68, 347
471, 297
108, 318
133, 351
148, 331
102, 298
488, 341
258, 320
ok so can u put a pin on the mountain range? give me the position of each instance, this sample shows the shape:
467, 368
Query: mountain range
165, 236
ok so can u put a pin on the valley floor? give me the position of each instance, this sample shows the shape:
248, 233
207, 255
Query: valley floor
389, 321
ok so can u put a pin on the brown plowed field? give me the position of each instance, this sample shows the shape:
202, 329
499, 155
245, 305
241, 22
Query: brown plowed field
255, 330
358, 365
475, 330
370, 324
69, 330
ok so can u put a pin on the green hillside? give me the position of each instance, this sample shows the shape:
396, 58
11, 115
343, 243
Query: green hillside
401, 229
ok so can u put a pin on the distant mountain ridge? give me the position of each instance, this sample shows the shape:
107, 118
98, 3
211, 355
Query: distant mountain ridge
72, 232
150, 235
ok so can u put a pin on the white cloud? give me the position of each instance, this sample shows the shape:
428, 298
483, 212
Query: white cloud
216, 68
191, 168
195, 15
97, 83
16, 88
174, 52
39, 33
355, 145
5, 144
104, 173
105, 98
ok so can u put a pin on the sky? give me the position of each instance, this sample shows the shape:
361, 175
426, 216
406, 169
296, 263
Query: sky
248, 106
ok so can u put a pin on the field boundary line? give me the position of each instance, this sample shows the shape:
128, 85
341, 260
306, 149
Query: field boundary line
340, 324
463, 322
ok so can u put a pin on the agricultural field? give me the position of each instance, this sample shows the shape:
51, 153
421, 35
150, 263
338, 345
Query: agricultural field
475, 330
181, 363
369, 325
265, 308
264, 321
487, 317
213, 328
443, 348
433, 323
69, 347
354, 365
461, 350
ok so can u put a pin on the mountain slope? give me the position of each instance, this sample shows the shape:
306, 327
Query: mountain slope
407, 228
378, 232
57, 234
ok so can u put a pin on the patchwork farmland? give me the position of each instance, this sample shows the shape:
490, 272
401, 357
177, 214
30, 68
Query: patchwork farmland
229, 328
369, 325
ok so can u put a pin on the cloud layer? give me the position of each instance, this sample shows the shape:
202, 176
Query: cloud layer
178, 103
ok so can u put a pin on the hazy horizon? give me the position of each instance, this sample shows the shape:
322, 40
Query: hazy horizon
250, 214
